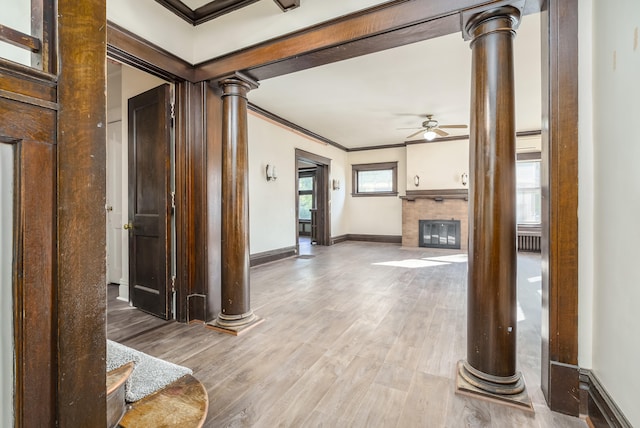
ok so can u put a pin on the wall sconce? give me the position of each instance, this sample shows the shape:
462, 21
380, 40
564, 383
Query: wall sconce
335, 184
464, 178
416, 180
271, 172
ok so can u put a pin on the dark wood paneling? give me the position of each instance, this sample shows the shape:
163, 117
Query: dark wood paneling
81, 184
37, 352
191, 199
213, 137
272, 255
17, 80
560, 203
130, 49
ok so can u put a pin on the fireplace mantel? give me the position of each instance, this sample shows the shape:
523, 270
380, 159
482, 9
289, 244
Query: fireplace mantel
436, 194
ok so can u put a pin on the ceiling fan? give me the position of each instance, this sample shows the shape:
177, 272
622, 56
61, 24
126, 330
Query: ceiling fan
431, 129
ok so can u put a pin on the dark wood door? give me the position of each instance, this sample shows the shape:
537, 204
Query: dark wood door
149, 201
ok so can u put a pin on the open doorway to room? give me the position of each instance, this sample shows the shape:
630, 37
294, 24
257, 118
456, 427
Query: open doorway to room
307, 227
313, 219
140, 227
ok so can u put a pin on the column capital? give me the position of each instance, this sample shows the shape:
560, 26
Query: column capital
471, 20
237, 79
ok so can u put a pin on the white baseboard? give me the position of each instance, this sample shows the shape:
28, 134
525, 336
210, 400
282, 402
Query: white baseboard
123, 292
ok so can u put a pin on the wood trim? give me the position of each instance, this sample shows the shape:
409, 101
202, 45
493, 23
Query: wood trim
597, 404
79, 330
437, 194
206, 12
560, 204
338, 239
384, 239
284, 122
356, 34
191, 199
435, 140
378, 166
20, 80
130, 49
287, 5
20, 39
258, 259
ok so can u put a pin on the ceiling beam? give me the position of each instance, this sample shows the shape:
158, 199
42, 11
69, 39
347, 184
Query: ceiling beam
384, 26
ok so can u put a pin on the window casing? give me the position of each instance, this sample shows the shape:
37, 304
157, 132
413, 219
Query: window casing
375, 179
26, 33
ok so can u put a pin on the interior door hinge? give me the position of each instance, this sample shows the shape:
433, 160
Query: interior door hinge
173, 114
173, 200
173, 283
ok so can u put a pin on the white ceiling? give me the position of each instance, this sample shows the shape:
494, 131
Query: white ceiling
362, 101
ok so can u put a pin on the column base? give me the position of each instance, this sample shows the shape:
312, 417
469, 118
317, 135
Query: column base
235, 324
511, 391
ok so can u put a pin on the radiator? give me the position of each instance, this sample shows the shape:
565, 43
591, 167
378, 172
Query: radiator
528, 242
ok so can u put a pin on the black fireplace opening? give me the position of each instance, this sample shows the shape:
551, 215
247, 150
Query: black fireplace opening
439, 234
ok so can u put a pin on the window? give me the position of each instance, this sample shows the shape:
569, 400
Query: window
528, 195
375, 179
305, 196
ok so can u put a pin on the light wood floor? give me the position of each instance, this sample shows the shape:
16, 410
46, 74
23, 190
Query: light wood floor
356, 335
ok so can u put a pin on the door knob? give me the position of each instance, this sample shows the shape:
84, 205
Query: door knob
128, 226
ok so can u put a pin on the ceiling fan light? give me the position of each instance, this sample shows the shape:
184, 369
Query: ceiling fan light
429, 135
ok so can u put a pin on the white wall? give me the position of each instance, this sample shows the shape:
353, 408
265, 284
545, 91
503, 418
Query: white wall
439, 165
156, 24
586, 189
16, 15
616, 343
376, 215
272, 216
6, 284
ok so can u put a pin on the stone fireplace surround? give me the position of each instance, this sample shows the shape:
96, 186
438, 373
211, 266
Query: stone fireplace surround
443, 204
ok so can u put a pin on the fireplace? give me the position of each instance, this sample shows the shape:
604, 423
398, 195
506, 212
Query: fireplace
439, 234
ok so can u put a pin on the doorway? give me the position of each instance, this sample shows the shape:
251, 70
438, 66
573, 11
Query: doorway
131, 97
313, 219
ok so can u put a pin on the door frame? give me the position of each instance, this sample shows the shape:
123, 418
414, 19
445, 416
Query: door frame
322, 195
386, 26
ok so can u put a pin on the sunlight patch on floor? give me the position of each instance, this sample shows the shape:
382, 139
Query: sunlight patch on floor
521, 316
453, 258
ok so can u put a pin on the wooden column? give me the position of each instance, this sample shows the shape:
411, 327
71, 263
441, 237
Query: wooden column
490, 367
236, 314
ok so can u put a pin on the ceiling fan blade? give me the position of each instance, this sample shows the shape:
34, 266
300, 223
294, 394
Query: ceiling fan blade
421, 131
452, 126
440, 132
